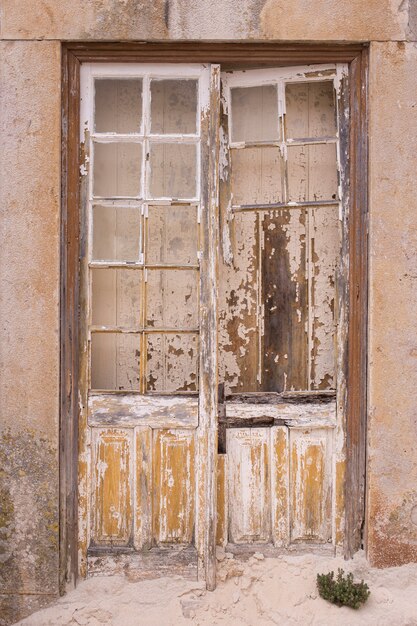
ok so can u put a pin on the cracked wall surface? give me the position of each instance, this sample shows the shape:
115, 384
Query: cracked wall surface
30, 74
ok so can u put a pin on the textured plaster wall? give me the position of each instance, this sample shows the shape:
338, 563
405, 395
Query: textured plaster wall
392, 457
29, 343
31, 31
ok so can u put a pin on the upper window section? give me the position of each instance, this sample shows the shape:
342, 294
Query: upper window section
173, 107
143, 128
255, 114
118, 105
310, 110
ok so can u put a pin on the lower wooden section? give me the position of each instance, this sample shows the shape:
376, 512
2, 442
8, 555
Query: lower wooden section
278, 487
154, 563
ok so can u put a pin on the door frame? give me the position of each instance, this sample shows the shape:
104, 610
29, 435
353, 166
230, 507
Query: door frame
354, 162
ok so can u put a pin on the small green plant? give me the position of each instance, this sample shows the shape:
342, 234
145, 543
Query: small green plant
342, 591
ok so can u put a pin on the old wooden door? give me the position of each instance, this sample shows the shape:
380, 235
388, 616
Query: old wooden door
281, 310
162, 302
147, 330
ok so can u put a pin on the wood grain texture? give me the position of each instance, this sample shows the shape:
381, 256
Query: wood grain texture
132, 410
111, 506
311, 485
222, 501
249, 487
284, 297
173, 486
280, 488
142, 537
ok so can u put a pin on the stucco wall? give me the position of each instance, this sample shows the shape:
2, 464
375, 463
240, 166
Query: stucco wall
31, 31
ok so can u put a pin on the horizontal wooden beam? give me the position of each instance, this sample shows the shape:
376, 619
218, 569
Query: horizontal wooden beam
247, 54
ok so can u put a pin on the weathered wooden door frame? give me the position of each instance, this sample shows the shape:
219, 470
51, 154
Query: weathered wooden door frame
354, 145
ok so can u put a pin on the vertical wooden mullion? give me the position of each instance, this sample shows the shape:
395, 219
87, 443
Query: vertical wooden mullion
207, 428
358, 292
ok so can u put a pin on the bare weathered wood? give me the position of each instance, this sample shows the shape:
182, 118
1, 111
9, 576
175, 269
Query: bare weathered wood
222, 513
132, 410
143, 466
221, 435
68, 444
173, 486
280, 486
249, 487
207, 430
358, 306
272, 54
311, 483
244, 552
288, 397
284, 298
291, 413
154, 563
112, 510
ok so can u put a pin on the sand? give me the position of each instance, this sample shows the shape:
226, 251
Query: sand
259, 592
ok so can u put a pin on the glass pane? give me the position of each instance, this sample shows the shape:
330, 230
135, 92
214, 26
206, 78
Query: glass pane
173, 106
255, 113
118, 105
312, 173
172, 362
115, 361
116, 233
310, 110
117, 169
116, 297
171, 299
256, 176
173, 170
172, 235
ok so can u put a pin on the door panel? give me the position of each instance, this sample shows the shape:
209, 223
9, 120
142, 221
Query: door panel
143, 127
281, 213
248, 452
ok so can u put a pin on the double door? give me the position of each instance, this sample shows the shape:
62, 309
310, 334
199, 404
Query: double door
210, 264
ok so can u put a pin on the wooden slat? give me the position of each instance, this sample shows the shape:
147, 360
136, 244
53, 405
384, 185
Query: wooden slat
280, 467
142, 537
222, 501
132, 410
173, 486
248, 453
238, 306
112, 462
311, 485
293, 413
358, 306
243, 53
325, 243
154, 563
284, 296
206, 471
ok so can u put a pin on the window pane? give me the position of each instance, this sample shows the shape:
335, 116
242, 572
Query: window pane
172, 235
116, 233
117, 169
310, 110
115, 361
255, 113
116, 297
172, 362
173, 170
312, 173
118, 105
256, 176
171, 299
173, 106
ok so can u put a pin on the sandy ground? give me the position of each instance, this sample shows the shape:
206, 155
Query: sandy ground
258, 592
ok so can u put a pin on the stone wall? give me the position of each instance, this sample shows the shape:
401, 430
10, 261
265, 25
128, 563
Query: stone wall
30, 33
